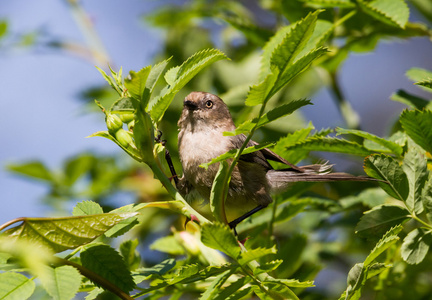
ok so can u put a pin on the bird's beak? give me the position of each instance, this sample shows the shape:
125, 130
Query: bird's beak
190, 105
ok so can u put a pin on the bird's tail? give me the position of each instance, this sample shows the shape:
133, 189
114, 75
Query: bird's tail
281, 179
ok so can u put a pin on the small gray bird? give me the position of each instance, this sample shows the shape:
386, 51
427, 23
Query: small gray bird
204, 119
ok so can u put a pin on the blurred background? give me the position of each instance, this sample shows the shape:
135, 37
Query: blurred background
49, 50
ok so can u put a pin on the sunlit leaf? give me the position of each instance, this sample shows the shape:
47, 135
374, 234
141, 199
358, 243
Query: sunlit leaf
255, 254
64, 233
215, 285
219, 237
61, 283
415, 168
107, 262
395, 148
15, 286
168, 244
131, 257
136, 83
331, 3
416, 245
235, 290
384, 243
258, 93
392, 12
87, 208
386, 168
410, 100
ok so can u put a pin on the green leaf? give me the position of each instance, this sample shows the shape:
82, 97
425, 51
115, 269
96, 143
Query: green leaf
391, 12
258, 94
427, 197
330, 144
86, 207
131, 150
415, 168
290, 140
64, 233
218, 193
124, 225
418, 74
331, 3
123, 105
107, 262
274, 291
216, 285
410, 100
296, 68
384, 243
254, 254
15, 286
219, 237
380, 219
267, 267
386, 168
130, 255
395, 148
155, 74
285, 52
61, 283
191, 67
168, 244
425, 83
417, 125
110, 80
33, 169
416, 245
232, 153
136, 84
235, 290
270, 116
77, 167
292, 282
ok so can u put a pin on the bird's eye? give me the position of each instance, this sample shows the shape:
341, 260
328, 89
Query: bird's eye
209, 104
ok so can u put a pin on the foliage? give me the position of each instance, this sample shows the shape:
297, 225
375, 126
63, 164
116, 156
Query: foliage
288, 245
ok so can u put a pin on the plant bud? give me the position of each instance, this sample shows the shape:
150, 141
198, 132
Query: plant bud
113, 123
124, 138
127, 117
131, 125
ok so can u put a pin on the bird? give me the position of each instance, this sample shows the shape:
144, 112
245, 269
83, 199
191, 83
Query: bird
204, 119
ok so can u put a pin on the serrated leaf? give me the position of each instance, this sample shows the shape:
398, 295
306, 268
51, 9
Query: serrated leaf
386, 168
418, 74
235, 290
410, 100
107, 262
380, 219
384, 243
61, 283
415, 167
171, 75
86, 207
270, 116
427, 197
287, 74
184, 273
267, 267
218, 193
232, 153
331, 3
417, 125
15, 286
426, 83
258, 93
285, 52
34, 169
155, 74
123, 105
291, 282
160, 269
192, 66
216, 285
64, 233
109, 79
395, 148
136, 83
274, 291
330, 144
254, 254
219, 237
416, 245
392, 12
